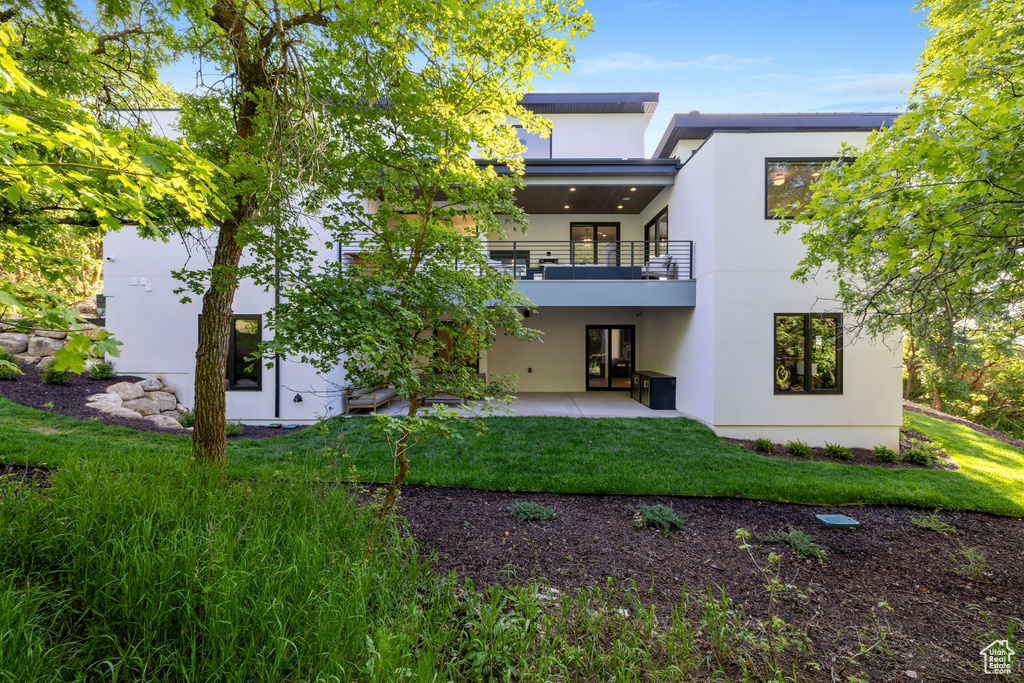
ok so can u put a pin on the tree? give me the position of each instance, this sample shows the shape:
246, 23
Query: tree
923, 231
60, 169
431, 88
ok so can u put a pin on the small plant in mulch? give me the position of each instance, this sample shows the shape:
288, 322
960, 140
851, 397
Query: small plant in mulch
923, 453
764, 445
837, 451
233, 429
51, 375
802, 544
885, 454
933, 523
10, 371
797, 448
102, 371
525, 511
968, 562
187, 419
660, 517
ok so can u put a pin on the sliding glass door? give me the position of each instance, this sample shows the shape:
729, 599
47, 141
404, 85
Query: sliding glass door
595, 243
610, 357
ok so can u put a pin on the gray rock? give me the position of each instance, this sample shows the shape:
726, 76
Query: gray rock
181, 408
143, 406
151, 384
42, 346
27, 359
171, 413
170, 389
110, 409
107, 399
126, 390
52, 334
164, 421
166, 401
46, 361
90, 331
13, 342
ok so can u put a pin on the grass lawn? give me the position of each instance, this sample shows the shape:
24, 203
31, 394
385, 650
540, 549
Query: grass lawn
631, 456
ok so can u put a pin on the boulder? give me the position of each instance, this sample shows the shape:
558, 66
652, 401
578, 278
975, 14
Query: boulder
143, 406
180, 408
126, 390
117, 411
43, 346
13, 342
151, 384
27, 359
170, 389
46, 361
90, 331
52, 334
106, 399
171, 413
164, 400
165, 421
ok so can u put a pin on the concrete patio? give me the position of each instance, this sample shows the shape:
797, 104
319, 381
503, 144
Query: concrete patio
568, 404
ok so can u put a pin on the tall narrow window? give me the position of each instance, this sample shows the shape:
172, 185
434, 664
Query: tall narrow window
244, 342
790, 184
808, 353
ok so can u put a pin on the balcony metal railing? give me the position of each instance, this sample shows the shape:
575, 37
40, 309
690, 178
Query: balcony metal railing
601, 260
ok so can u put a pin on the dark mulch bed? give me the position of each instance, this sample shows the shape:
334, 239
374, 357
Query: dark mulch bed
860, 456
939, 621
69, 399
981, 429
26, 475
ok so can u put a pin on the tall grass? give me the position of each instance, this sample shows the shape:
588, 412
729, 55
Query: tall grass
162, 575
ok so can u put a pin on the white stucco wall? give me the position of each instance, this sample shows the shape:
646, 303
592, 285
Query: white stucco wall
160, 334
597, 136
555, 227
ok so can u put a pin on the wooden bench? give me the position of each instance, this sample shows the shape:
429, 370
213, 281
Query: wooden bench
368, 398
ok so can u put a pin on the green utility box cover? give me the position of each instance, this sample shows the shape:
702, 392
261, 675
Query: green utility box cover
274, 425
838, 521
291, 426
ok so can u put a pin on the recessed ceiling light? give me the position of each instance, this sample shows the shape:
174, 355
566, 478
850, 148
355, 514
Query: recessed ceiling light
567, 206
620, 206
632, 189
572, 189
625, 199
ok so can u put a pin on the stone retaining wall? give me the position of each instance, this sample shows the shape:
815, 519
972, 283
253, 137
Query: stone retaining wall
149, 399
38, 346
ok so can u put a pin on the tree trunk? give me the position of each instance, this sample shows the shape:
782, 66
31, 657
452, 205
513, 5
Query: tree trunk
208, 445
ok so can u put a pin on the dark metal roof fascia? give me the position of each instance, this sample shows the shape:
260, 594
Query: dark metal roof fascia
578, 167
702, 126
593, 103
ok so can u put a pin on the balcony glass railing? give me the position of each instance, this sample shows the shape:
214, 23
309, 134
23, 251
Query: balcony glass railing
601, 260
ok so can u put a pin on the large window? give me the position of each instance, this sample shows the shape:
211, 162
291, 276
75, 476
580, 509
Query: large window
246, 335
808, 353
587, 239
789, 184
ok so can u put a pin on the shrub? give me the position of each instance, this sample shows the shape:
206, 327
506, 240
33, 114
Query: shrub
524, 511
933, 523
764, 445
922, 453
233, 429
837, 451
51, 375
660, 517
187, 419
798, 448
885, 454
8, 371
102, 371
801, 543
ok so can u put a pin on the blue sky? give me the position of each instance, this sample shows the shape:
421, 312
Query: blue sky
747, 56
740, 55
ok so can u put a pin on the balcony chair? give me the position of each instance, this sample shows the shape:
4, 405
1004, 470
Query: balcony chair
658, 268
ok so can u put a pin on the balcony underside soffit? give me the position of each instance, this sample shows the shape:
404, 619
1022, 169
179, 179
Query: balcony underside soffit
586, 199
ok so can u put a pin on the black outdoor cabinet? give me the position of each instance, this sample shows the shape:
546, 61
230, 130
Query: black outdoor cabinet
654, 390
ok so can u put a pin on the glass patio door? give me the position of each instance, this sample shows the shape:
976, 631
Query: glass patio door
594, 243
610, 357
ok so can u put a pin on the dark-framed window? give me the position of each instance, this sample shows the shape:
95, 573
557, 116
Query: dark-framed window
586, 241
244, 342
808, 353
656, 235
790, 182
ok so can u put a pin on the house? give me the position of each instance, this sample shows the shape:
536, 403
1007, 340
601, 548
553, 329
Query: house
669, 264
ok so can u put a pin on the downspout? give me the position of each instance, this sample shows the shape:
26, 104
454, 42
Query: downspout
277, 356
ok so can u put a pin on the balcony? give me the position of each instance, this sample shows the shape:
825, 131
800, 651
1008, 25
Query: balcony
599, 273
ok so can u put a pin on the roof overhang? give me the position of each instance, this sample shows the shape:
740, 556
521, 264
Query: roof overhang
593, 103
702, 126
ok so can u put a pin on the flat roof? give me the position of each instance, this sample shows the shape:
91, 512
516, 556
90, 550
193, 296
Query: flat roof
697, 126
592, 103
593, 167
